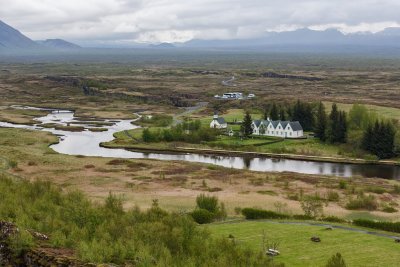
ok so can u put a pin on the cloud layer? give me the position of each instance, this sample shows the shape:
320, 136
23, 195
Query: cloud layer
125, 21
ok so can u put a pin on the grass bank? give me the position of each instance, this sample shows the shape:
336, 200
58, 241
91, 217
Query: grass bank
358, 249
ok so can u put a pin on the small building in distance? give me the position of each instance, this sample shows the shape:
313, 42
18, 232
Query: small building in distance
234, 96
218, 122
284, 129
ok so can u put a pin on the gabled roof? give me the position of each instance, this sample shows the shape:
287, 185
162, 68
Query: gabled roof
257, 123
284, 124
274, 123
220, 120
296, 126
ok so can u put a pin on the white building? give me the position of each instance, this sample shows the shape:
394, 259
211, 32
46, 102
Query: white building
218, 122
284, 129
235, 95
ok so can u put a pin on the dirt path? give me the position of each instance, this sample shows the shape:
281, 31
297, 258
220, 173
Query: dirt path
188, 111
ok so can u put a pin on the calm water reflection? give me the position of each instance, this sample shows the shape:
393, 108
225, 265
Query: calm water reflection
86, 143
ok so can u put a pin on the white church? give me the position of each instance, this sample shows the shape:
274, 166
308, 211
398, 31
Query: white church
218, 122
284, 129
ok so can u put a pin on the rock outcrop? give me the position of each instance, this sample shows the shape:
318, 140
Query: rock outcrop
40, 256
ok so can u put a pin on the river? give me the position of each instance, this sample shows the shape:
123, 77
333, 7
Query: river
86, 143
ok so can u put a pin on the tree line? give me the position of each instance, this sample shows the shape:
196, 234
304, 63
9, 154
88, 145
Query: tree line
363, 127
191, 132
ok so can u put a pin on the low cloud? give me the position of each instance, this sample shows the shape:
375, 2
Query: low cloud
182, 20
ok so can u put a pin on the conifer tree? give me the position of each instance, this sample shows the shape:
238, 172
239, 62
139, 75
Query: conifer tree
274, 113
303, 112
320, 127
367, 138
333, 125
342, 127
246, 127
380, 139
282, 114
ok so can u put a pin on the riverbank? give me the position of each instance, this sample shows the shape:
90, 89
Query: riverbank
176, 182
222, 152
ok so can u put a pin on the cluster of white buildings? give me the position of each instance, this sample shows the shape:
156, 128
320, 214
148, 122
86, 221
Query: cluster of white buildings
284, 129
234, 95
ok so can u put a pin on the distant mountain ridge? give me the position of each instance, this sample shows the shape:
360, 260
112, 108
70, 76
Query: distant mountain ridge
330, 40
12, 39
305, 36
58, 43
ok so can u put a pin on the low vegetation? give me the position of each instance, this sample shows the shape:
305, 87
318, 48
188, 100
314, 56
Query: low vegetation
191, 132
107, 233
385, 226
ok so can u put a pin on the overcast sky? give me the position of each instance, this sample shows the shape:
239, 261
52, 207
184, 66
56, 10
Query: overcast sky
124, 21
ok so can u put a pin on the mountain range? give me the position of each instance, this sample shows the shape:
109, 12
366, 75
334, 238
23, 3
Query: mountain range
330, 39
12, 39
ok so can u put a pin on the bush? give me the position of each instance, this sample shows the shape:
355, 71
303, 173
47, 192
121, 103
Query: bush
332, 196
20, 242
389, 209
191, 132
362, 203
396, 189
376, 190
336, 261
254, 214
209, 203
333, 219
386, 226
342, 184
202, 216
158, 120
303, 217
13, 164
313, 206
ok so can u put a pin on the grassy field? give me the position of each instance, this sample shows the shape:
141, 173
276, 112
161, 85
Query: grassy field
358, 249
388, 112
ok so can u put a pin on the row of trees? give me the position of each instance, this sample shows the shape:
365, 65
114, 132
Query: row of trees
332, 128
191, 132
360, 127
379, 139
299, 111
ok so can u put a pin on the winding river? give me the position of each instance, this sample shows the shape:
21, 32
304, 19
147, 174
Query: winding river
86, 143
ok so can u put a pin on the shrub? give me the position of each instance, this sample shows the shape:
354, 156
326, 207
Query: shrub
332, 196
302, 217
362, 203
209, 203
202, 216
333, 219
342, 184
13, 164
238, 210
389, 209
254, 214
20, 242
313, 206
386, 226
336, 261
396, 189
376, 190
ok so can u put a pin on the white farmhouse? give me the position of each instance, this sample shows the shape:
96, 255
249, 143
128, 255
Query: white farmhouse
218, 122
284, 129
